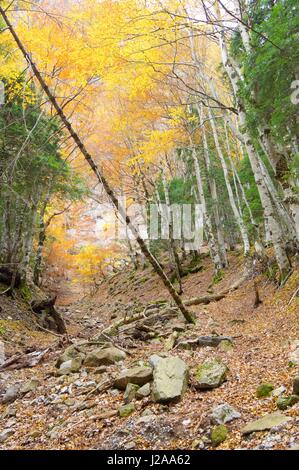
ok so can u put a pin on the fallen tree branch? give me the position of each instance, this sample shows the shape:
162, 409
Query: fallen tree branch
20, 361
206, 299
147, 313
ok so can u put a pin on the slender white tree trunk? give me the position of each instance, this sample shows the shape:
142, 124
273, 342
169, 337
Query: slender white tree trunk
208, 226
237, 215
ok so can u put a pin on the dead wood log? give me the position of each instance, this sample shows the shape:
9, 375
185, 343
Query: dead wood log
203, 341
206, 299
21, 361
145, 316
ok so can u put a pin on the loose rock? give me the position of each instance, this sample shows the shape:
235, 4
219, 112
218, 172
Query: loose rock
30, 386
287, 401
130, 392
136, 375
170, 379
218, 435
211, 374
126, 410
144, 391
224, 414
268, 421
104, 357
296, 385
264, 390
11, 394
4, 435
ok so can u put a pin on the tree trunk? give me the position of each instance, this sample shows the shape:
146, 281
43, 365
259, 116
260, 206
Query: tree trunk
237, 215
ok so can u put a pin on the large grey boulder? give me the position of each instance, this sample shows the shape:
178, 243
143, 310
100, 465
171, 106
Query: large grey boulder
224, 413
269, 421
171, 377
104, 357
211, 374
136, 375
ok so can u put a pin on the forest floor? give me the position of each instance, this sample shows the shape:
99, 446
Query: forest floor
75, 411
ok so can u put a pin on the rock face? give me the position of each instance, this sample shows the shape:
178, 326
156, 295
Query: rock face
136, 375
170, 379
104, 357
266, 422
211, 374
224, 414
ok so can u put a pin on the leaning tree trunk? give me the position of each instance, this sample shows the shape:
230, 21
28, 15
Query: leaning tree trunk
100, 177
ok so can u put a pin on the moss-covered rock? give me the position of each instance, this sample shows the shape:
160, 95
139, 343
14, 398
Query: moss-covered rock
130, 392
218, 435
126, 410
211, 374
264, 390
285, 402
